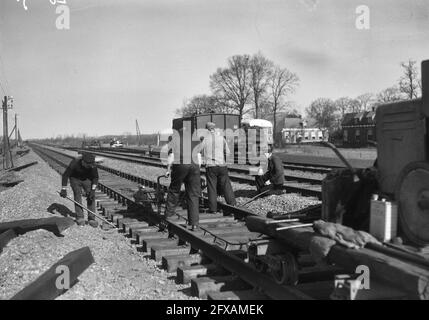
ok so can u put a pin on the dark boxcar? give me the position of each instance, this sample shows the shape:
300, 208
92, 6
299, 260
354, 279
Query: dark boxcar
187, 128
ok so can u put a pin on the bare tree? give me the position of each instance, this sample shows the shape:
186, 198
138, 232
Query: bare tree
233, 83
364, 102
260, 69
345, 105
324, 111
410, 84
282, 82
200, 104
389, 95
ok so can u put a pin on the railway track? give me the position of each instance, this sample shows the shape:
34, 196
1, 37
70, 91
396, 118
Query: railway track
213, 259
146, 154
306, 186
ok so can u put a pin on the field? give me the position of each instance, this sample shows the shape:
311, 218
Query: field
317, 155
348, 153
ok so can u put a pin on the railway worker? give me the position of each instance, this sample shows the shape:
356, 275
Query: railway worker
274, 178
183, 173
214, 148
83, 175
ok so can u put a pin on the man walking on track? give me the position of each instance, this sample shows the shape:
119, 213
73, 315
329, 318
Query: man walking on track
83, 175
214, 149
187, 173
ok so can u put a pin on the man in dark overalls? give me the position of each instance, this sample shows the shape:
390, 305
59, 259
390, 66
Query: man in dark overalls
274, 178
183, 169
83, 175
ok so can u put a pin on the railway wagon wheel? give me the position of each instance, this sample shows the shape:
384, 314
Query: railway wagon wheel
285, 270
412, 196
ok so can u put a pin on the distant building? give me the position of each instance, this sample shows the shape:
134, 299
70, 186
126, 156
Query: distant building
298, 130
358, 128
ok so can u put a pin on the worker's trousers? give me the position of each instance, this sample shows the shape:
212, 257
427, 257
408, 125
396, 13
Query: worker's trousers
217, 177
261, 187
77, 187
189, 174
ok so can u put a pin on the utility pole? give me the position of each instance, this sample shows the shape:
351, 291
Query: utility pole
16, 130
7, 104
138, 133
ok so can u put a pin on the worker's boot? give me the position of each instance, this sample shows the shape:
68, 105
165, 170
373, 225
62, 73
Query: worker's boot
91, 221
80, 221
193, 228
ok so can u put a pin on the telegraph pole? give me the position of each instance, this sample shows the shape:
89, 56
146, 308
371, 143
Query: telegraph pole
6, 147
138, 133
16, 129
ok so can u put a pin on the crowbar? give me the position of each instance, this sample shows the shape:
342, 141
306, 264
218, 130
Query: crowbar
89, 211
255, 197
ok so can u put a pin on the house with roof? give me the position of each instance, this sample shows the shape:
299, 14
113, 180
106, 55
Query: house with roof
358, 128
297, 130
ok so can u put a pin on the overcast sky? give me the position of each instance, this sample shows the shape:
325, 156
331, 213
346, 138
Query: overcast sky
124, 60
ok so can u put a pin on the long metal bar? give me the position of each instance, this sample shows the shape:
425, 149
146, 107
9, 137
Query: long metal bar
280, 221
295, 226
90, 211
256, 197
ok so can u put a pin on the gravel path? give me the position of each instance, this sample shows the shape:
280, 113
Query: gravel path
119, 272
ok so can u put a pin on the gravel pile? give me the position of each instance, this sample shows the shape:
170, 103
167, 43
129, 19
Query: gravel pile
305, 174
285, 203
119, 271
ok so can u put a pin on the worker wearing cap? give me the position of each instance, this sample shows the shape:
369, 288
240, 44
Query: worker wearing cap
184, 172
83, 175
214, 148
274, 178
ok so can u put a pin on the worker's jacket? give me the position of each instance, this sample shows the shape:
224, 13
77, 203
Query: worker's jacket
78, 171
214, 148
275, 172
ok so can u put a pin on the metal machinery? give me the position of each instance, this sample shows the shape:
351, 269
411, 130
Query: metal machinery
403, 159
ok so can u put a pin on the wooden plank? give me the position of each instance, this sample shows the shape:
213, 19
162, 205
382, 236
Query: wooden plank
128, 225
45, 288
171, 263
134, 230
115, 217
23, 166
143, 235
5, 237
52, 224
120, 222
186, 273
160, 242
202, 285
157, 252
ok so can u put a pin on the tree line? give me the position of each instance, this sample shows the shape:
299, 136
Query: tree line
328, 113
253, 84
